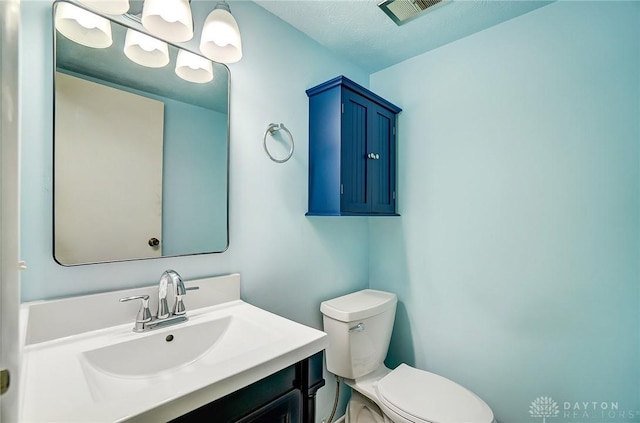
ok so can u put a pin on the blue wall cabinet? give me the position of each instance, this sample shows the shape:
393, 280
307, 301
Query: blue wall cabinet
352, 151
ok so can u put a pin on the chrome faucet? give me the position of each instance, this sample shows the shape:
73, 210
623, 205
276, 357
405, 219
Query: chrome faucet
170, 277
146, 322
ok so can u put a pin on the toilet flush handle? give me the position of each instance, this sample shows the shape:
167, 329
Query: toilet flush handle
357, 328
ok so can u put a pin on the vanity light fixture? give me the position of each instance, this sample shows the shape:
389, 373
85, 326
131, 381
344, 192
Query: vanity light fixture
193, 68
145, 50
220, 39
82, 26
109, 7
170, 20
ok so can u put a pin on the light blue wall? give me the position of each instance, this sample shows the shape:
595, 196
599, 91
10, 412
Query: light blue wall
516, 257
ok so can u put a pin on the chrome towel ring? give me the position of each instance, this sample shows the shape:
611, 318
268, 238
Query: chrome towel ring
272, 129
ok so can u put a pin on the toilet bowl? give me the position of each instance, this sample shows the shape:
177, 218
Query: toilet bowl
359, 327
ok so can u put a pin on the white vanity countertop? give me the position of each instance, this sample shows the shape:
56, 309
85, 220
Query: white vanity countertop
58, 384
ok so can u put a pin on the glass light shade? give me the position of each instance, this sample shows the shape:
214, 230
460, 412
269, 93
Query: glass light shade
169, 19
110, 7
221, 40
193, 68
82, 26
145, 50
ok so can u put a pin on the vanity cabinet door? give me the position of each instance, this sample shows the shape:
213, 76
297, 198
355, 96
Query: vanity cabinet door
286, 409
352, 151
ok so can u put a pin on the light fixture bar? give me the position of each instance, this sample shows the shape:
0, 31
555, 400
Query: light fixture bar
220, 41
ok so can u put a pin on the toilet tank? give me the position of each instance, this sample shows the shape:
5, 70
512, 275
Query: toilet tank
359, 327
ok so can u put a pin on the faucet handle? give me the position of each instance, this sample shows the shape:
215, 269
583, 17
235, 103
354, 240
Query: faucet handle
144, 314
178, 307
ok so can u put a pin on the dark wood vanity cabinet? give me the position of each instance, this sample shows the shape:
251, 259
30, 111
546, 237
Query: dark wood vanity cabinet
287, 396
352, 151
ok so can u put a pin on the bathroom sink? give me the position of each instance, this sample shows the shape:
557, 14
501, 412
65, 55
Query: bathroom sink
114, 374
165, 351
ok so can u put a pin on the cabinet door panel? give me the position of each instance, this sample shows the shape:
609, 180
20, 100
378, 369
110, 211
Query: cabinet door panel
382, 169
285, 409
355, 128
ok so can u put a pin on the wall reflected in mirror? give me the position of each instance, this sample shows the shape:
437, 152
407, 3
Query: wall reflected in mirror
140, 154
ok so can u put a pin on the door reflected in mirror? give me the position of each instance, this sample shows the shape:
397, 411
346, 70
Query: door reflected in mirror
140, 154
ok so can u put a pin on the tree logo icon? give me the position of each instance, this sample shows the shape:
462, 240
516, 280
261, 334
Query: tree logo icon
544, 407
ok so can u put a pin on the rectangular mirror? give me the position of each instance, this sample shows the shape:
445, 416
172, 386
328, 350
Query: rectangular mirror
141, 155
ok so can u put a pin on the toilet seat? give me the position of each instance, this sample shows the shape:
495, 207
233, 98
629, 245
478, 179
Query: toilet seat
411, 395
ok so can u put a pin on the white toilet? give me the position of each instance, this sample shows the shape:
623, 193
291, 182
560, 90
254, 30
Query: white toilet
359, 326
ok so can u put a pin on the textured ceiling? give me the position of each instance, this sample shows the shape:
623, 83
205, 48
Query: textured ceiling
360, 31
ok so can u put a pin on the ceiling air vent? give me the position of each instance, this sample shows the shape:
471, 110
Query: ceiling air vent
402, 11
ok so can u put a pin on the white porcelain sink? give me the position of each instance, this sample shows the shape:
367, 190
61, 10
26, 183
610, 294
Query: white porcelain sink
114, 374
212, 342
153, 353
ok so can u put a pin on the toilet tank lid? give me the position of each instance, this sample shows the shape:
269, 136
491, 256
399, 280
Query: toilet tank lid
358, 305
